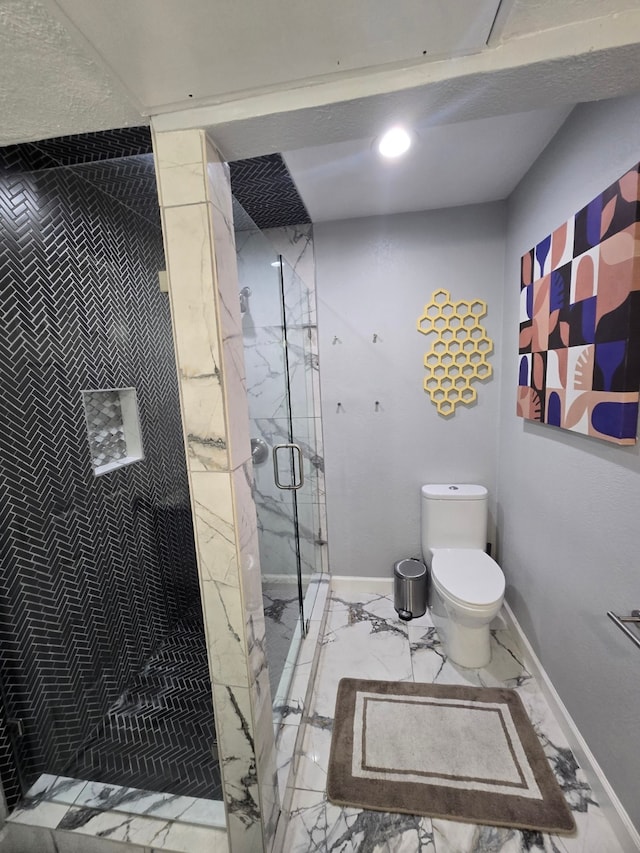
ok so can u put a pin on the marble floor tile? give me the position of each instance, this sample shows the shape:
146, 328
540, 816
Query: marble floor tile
68, 842
55, 789
453, 837
371, 604
133, 801
364, 638
317, 826
144, 831
285, 759
313, 759
359, 643
42, 814
18, 838
430, 664
64, 791
594, 835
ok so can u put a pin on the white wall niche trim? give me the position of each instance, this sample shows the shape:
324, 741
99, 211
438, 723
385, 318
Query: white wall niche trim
113, 428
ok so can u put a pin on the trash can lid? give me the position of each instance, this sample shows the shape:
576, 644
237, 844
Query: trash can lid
409, 568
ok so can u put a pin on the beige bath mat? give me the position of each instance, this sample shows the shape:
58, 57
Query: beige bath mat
445, 751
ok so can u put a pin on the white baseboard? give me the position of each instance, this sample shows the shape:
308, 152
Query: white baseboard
611, 806
348, 583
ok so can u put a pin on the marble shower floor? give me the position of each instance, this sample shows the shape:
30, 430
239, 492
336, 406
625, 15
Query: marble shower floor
364, 638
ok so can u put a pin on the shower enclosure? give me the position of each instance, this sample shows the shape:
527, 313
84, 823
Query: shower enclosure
103, 665
279, 334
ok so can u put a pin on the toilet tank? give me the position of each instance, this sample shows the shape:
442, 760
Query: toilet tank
454, 515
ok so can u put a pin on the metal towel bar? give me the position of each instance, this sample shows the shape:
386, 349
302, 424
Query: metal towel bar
620, 620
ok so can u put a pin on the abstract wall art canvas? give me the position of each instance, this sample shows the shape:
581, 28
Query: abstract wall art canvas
579, 361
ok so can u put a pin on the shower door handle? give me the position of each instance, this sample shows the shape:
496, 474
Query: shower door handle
276, 470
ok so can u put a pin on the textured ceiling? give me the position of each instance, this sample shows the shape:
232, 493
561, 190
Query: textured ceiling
50, 84
56, 77
106, 70
167, 52
447, 166
529, 16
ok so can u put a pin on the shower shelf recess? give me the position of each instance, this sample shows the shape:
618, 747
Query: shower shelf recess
113, 428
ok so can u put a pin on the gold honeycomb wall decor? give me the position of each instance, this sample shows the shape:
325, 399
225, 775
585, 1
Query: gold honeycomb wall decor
459, 353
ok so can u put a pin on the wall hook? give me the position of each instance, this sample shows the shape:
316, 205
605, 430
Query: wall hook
377, 406
375, 337
336, 340
339, 408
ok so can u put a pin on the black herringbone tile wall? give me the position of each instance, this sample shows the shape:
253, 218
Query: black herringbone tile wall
262, 185
264, 188
130, 180
95, 573
75, 149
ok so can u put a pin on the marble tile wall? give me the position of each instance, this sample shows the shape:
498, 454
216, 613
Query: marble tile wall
262, 327
195, 199
295, 244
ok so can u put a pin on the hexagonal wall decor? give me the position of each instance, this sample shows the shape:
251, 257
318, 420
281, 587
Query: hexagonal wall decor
458, 356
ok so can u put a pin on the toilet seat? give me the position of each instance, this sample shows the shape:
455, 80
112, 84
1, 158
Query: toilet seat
467, 576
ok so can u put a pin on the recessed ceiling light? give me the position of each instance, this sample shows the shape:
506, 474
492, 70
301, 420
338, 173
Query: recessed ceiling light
395, 142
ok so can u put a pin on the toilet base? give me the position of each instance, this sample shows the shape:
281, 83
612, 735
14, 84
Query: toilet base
469, 647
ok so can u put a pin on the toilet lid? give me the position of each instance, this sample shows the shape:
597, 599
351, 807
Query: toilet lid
467, 575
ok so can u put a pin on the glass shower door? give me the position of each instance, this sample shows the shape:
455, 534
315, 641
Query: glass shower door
297, 334
274, 361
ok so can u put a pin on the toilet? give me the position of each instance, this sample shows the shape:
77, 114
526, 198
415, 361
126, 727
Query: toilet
467, 586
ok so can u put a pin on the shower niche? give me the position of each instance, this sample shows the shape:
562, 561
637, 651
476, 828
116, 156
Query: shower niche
113, 428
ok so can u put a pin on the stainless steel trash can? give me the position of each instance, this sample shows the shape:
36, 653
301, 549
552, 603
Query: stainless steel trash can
410, 588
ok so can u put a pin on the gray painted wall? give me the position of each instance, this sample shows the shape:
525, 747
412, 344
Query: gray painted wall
374, 276
569, 505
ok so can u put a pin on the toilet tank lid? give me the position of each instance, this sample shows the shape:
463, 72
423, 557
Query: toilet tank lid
453, 491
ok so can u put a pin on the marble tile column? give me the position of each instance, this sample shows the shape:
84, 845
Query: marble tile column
195, 199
